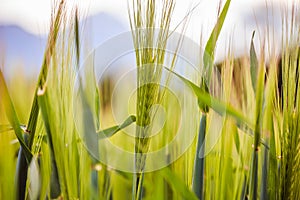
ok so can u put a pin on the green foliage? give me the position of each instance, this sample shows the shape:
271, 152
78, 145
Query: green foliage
254, 153
13, 118
113, 130
253, 63
208, 57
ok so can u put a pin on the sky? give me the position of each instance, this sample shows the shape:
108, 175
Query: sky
34, 15
244, 16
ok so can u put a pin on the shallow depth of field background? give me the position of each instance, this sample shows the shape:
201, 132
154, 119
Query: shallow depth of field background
229, 165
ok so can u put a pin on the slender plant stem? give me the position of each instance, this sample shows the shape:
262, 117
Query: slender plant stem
199, 169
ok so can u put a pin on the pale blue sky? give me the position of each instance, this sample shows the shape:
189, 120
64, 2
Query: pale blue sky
243, 17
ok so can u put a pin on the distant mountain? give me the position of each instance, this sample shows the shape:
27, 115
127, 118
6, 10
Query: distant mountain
102, 27
24, 49
21, 48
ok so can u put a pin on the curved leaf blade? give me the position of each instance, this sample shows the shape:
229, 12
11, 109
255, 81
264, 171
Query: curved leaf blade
211, 43
12, 117
113, 130
253, 64
208, 57
218, 106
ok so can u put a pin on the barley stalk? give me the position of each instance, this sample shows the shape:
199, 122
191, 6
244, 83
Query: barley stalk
149, 45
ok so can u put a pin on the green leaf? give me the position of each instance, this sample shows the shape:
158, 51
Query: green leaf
45, 107
89, 116
270, 124
12, 117
208, 56
236, 140
113, 130
242, 122
218, 106
210, 45
177, 184
253, 64
257, 133
203, 107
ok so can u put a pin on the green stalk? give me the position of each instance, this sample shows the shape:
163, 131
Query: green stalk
198, 176
257, 133
264, 178
244, 189
271, 178
21, 172
208, 59
150, 52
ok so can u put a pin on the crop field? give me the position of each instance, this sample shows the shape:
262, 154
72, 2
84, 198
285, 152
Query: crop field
143, 116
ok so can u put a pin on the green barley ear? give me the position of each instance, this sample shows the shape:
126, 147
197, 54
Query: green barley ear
33, 118
290, 137
53, 35
150, 44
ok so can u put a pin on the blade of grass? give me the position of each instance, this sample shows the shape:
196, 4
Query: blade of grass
90, 124
218, 106
257, 133
237, 141
253, 64
272, 176
24, 155
221, 108
208, 57
21, 173
12, 117
45, 106
113, 130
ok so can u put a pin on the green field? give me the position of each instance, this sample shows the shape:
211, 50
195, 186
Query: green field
238, 121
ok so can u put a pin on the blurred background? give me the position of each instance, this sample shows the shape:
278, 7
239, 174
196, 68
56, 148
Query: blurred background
24, 26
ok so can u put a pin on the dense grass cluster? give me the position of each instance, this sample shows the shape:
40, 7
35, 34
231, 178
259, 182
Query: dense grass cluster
257, 104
